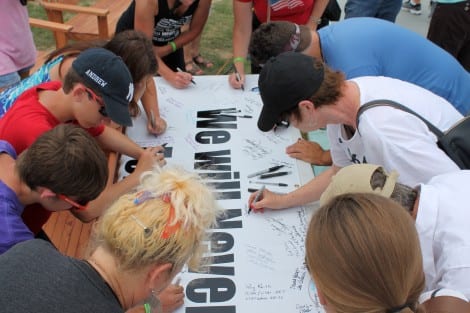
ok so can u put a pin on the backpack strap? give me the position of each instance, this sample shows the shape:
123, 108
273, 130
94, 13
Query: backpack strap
396, 105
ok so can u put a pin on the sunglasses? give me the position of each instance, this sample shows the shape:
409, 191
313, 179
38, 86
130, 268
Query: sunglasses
74, 204
98, 100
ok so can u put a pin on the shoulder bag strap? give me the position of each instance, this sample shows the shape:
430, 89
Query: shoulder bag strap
396, 105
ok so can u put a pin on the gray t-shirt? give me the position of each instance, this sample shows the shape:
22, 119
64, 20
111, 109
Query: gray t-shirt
35, 277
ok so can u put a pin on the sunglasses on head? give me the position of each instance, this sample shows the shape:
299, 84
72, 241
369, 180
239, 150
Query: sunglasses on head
74, 204
98, 100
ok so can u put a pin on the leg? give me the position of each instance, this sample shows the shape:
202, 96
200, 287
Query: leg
361, 8
389, 10
449, 29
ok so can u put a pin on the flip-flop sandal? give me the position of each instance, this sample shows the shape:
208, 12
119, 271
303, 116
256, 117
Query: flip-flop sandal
199, 60
193, 68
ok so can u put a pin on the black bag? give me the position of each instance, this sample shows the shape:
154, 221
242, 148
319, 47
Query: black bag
332, 11
455, 142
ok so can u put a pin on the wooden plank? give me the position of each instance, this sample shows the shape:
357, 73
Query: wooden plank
64, 238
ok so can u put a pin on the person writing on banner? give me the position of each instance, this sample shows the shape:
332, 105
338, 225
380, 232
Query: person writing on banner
441, 222
37, 176
363, 255
97, 89
161, 20
320, 97
366, 47
135, 49
138, 246
249, 14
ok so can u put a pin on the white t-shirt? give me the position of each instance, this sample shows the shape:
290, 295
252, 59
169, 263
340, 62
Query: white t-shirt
444, 233
393, 138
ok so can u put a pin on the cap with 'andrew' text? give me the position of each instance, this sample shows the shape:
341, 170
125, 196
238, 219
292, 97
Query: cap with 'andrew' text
106, 73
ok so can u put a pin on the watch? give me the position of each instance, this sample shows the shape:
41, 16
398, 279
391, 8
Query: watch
317, 20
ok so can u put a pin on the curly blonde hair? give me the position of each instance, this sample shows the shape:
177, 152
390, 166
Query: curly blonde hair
164, 221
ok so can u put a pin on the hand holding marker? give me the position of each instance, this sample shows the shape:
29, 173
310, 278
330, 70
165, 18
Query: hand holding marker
258, 195
181, 71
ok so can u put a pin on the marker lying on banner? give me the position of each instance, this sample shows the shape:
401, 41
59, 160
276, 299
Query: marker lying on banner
271, 184
264, 176
242, 116
224, 111
269, 170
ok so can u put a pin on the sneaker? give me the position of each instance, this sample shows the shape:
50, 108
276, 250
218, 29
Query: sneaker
412, 8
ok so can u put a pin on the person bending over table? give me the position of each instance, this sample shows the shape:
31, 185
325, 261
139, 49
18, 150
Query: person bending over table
320, 97
363, 255
366, 47
248, 14
440, 214
161, 20
135, 49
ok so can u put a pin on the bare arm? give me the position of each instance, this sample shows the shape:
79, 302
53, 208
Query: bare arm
242, 29
113, 140
95, 208
196, 26
307, 193
150, 103
446, 304
319, 7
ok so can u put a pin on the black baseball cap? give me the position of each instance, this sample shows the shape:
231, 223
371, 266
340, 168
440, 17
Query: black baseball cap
284, 81
106, 73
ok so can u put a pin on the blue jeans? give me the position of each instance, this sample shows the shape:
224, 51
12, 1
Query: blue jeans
384, 9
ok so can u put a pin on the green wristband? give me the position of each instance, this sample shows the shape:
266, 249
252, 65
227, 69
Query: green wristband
147, 308
239, 59
173, 45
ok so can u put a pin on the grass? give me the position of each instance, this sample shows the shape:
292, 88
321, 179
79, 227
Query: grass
216, 42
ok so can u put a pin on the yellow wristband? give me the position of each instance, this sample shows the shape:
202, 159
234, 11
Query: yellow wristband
239, 59
173, 45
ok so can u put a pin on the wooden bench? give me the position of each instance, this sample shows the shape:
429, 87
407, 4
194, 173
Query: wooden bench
89, 23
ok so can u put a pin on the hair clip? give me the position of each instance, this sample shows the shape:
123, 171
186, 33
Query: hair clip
147, 230
143, 196
170, 229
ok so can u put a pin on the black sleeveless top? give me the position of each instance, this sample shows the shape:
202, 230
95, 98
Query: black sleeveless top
167, 25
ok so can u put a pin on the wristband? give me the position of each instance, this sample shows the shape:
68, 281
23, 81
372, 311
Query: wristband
317, 20
147, 308
173, 45
239, 59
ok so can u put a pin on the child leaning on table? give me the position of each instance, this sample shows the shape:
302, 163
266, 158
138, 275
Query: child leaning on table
96, 89
39, 175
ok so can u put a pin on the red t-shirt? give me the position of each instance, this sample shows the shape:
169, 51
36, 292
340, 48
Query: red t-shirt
296, 11
25, 121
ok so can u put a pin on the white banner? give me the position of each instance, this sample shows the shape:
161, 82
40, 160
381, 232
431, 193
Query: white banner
258, 259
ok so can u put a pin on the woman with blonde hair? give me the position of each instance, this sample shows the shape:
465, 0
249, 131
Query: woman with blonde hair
139, 244
363, 253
